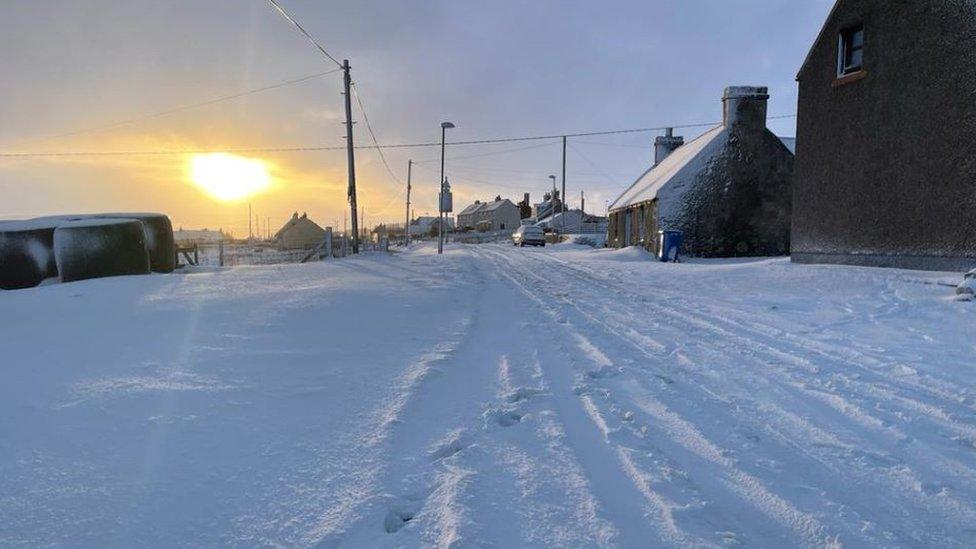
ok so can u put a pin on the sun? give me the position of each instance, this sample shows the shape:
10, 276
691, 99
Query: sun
227, 177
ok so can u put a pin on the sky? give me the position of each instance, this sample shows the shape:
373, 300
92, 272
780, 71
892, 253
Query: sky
496, 69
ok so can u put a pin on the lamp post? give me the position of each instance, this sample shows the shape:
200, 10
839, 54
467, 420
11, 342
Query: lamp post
552, 204
441, 197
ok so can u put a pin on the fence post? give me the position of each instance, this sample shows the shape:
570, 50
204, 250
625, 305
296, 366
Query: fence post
328, 242
220, 248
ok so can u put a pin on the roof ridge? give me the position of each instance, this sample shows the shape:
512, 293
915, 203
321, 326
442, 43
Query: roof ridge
666, 163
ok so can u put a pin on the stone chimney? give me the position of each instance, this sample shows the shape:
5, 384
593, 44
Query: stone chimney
744, 108
665, 144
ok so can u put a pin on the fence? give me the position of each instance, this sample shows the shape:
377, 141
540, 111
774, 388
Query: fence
585, 228
230, 254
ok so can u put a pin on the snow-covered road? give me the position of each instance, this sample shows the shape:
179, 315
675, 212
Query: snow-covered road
492, 396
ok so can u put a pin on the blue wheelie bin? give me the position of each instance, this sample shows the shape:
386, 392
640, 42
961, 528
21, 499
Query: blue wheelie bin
670, 245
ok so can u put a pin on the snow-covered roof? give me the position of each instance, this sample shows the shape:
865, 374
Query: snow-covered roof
472, 208
295, 220
490, 206
650, 182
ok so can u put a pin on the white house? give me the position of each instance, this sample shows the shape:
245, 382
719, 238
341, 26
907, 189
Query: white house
500, 214
423, 225
189, 237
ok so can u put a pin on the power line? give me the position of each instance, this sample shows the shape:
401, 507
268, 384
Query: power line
180, 108
313, 148
492, 153
372, 135
591, 163
303, 31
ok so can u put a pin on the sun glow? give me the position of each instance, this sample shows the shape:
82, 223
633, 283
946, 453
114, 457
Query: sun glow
228, 177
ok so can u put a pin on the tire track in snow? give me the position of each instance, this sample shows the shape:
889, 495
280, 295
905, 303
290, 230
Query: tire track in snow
805, 526
548, 283
354, 500
597, 459
902, 480
842, 358
828, 394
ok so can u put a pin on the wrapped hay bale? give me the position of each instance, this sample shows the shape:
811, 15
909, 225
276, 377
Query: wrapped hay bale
99, 247
159, 238
26, 253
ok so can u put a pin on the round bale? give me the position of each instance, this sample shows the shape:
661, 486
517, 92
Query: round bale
100, 247
159, 238
26, 253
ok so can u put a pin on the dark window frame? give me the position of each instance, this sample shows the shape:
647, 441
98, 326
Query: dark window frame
850, 50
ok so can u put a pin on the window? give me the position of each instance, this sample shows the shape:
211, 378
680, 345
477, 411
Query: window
850, 55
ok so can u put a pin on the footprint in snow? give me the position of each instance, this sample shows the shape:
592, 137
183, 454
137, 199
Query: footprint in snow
449, 446
400, 512
521, 394
504, 418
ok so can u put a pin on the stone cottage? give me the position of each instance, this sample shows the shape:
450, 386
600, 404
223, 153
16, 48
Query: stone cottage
886, 175
299, 232
729, 190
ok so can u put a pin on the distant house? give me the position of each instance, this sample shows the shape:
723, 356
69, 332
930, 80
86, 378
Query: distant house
886, 174
299, 232
729, 190
564, 222
500, 214
466, 218
427, 225
189, 237
550, 204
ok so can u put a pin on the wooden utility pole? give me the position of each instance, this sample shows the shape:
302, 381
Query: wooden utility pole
350, 157
406, 227
562, 202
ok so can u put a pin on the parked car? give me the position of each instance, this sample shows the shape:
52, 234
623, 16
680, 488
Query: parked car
528, 235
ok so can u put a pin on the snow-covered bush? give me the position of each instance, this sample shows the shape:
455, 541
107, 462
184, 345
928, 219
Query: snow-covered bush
585, 241
967, 290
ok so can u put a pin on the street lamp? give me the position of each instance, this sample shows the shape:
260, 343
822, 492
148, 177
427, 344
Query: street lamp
552, 203
442, 196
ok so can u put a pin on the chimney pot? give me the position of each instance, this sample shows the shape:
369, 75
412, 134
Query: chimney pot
666, 144
744, 107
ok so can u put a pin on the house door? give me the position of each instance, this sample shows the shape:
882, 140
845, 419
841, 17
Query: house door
627, 225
